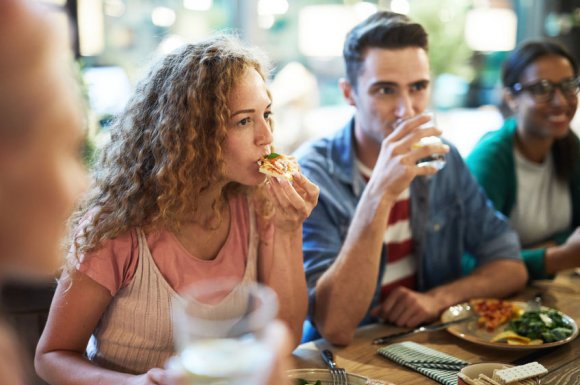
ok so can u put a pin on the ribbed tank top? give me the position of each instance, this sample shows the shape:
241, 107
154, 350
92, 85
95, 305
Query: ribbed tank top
135, 333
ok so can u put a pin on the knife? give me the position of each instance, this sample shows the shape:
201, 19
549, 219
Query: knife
428, 328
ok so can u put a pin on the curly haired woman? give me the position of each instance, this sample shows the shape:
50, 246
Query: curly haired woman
177, 198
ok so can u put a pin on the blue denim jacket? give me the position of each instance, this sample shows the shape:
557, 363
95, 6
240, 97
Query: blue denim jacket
450, 215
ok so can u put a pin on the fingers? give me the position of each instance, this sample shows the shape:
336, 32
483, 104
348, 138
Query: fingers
302, 195
392, 299
408, 133
404, 307
307, 190
157, 376
285, 195
403, 129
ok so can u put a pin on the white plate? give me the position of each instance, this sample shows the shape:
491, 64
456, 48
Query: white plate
470, 331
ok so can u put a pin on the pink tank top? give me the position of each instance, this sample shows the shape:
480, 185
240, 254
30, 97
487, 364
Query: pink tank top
135, 333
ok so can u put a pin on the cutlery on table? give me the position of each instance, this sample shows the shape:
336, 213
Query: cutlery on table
338, 374
427, 328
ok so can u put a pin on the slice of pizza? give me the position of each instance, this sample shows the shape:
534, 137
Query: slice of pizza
278, 165
493, 312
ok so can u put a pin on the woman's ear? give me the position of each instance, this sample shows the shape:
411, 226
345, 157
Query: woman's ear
347, 91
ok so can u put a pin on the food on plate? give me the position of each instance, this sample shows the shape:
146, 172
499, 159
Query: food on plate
512, 338
494, 312
523, 374
546, 325
278, 165
527, 374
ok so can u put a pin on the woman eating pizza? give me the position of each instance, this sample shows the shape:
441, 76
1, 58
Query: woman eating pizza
177, 198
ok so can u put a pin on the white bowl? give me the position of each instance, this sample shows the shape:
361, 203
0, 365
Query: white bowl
474, 370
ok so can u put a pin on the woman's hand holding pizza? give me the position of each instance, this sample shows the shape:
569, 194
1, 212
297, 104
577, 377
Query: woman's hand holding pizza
293, 201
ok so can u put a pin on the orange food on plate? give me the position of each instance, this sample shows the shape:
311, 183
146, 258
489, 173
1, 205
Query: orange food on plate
493, 312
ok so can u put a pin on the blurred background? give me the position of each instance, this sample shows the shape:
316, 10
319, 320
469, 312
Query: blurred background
114, 42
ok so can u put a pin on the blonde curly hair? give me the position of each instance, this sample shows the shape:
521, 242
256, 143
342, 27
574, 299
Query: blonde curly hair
166, 147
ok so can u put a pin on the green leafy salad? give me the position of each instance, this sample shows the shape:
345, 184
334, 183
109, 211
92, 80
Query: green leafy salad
547, 325
300, 381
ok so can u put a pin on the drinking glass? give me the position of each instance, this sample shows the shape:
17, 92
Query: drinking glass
219, 329
434, 160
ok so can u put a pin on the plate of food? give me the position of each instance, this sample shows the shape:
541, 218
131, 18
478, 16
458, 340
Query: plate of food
510, 324
323, 377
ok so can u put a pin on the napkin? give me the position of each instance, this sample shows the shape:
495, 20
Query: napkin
436, 365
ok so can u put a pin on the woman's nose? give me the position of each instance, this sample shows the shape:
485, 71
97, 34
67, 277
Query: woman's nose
558, 97
264, 135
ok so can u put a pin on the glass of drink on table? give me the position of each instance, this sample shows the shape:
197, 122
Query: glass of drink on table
434, 160
219, 329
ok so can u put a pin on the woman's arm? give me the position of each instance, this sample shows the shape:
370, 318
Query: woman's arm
78, 304
281, 261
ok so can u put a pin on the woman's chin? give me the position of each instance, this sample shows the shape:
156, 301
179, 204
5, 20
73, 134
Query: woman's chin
255, 179
560, 130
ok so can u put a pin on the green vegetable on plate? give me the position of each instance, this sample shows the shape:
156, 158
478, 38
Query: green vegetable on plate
547, 325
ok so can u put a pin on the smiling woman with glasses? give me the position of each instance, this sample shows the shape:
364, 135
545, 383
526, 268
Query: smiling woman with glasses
530, 168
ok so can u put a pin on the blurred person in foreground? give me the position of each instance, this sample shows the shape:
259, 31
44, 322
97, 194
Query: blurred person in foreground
41, 140
177, 198
386, 239
530, 167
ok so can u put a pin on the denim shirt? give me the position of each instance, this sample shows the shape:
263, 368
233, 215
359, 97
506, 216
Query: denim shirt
450, 215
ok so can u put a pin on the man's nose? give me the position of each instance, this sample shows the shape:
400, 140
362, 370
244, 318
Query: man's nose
404, 107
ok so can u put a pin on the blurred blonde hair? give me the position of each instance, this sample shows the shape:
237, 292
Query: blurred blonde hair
167, 146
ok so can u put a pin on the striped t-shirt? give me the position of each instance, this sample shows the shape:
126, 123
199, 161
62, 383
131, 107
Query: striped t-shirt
401, 269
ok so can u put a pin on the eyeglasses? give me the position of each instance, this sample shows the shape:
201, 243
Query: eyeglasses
543, 90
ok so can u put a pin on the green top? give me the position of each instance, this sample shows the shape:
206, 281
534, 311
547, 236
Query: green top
492, 163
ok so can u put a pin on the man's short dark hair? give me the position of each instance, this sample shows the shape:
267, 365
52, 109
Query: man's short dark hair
381, 30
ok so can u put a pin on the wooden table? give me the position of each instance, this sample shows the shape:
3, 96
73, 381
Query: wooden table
360, 357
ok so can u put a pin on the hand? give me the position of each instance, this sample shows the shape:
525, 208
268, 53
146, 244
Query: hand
277, 337
565, 256
396, 166
155, 376
293, 202
408, 308
573, 242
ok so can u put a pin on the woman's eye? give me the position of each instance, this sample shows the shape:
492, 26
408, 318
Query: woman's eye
268, 115
244, 122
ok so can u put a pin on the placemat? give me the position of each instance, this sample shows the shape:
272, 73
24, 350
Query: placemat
434, 364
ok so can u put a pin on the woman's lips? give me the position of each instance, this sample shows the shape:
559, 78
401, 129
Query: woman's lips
558, 118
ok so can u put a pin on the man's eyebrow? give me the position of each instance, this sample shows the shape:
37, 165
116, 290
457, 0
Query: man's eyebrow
384, 84
421, 82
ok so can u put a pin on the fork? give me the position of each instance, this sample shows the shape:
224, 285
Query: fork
536, 303
338, 374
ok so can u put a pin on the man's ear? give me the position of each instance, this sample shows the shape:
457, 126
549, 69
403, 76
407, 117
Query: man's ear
347, 91
510, 99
